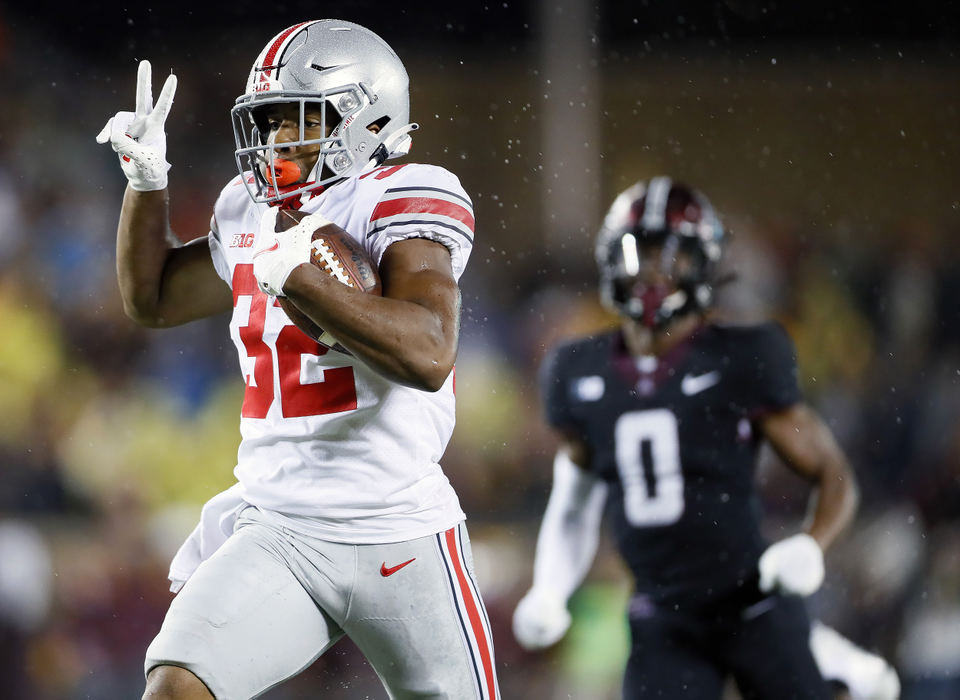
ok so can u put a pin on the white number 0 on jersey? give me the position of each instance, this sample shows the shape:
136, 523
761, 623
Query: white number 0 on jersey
648, 461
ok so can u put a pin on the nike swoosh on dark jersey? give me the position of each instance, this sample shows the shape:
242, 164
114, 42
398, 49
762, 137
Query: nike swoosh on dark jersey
385, 571
691, 384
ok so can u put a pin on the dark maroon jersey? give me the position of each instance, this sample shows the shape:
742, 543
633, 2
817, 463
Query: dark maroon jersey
675, 439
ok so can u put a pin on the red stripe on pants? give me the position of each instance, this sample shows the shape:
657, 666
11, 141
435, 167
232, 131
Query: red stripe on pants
472, 612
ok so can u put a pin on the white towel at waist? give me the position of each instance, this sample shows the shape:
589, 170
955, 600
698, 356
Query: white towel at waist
217, 519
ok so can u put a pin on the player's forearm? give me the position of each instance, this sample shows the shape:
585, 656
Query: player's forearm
570, 532
143, 242
837, 498
807, 446
405, 341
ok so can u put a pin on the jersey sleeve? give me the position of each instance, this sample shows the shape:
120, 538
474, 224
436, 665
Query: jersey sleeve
220, 263
230, 204
770, 369
554, 393
423, 201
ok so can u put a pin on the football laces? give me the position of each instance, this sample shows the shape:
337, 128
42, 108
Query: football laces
331, 263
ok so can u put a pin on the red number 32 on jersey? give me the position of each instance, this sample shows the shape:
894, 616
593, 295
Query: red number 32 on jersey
337, 391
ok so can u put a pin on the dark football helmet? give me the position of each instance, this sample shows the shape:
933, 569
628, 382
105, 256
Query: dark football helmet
657, 251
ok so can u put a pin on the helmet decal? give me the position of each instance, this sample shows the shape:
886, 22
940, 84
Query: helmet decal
267, 65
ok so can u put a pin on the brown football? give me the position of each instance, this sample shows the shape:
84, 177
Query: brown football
337, 253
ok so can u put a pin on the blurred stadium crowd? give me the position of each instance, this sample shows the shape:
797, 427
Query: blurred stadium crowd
112, 436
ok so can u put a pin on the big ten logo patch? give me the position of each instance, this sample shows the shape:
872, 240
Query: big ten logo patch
242, 240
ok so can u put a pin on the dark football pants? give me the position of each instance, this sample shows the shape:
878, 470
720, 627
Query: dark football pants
765, 648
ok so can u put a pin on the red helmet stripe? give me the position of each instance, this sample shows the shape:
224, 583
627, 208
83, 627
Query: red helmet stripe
274, 49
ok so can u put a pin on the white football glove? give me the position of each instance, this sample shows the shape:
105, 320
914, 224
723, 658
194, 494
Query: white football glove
138, 137
794, 565
540, 620
866, 675
280, 253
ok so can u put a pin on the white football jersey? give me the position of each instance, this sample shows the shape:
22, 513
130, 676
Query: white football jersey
328, 445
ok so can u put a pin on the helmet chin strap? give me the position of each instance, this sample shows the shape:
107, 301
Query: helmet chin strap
314, 175
673, 303
656, 306
399, 142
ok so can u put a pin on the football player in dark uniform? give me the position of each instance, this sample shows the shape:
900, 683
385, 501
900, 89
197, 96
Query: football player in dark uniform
661, 420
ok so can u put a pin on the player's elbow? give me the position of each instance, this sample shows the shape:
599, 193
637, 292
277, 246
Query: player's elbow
839, 477
431, 385
420, 356
431, 375
145, 315
840, 472
429, 369
139, 314
852, 492
432, 363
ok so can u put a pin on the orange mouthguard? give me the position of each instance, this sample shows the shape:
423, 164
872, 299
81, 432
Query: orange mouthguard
284, 172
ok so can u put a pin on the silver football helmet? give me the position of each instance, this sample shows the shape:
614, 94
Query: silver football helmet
346, 70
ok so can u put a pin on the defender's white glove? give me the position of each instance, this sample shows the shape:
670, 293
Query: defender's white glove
138, 137
541, 619
867, 676
794, 565
280, 253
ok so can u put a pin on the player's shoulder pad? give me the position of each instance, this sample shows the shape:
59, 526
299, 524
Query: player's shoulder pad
421, 175
765, 331
577, 345
417, 195
233, 199
757, 340
416, 180
577, 351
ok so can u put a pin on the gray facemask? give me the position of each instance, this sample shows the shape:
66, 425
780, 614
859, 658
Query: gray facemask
345, 70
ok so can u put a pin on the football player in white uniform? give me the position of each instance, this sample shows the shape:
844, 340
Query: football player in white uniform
341, 521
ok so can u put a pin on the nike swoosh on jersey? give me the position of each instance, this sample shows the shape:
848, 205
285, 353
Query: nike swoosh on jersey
385, 571
694, 384
275, 246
